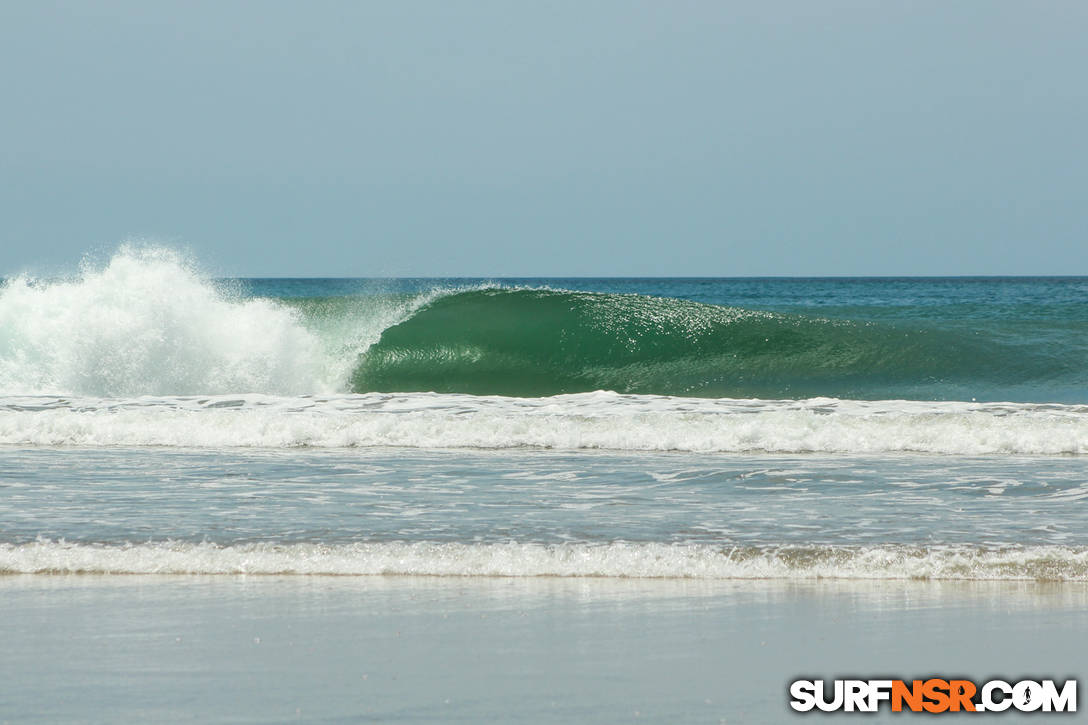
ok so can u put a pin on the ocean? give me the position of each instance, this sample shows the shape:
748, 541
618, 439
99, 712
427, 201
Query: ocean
588, 500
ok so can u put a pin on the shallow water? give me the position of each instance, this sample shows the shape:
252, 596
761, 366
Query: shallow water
527, 513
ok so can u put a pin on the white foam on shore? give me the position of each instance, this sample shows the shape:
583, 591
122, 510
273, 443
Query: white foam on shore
611, 560
599, 420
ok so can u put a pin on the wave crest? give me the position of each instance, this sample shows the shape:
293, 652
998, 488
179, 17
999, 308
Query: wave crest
538, 342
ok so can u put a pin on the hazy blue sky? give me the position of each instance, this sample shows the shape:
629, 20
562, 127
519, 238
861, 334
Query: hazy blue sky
549, 138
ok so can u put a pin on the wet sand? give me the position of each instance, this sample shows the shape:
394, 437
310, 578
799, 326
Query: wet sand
232, 649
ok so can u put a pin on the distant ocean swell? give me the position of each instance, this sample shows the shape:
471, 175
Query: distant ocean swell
148, 324
612, 560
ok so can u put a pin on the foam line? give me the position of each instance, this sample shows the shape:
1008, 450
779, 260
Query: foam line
612, 560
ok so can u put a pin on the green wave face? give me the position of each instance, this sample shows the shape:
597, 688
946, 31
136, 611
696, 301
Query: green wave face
545, 342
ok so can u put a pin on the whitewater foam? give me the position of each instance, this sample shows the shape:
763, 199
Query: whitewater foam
600, 420
148, 323
611, 560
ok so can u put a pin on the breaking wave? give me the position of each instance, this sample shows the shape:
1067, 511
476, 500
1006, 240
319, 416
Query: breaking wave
612, 560
148, 323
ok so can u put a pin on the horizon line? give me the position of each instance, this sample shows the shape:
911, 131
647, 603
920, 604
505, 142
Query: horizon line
681, 276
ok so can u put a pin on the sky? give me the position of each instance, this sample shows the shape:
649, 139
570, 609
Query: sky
585, 138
